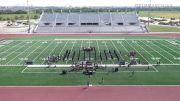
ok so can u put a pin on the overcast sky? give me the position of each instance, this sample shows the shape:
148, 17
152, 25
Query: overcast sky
81, 3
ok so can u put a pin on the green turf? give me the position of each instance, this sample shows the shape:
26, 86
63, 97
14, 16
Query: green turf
164, 14
155, 28
38, 48
167, 75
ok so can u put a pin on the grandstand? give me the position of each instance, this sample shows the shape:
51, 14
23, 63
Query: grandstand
89, 23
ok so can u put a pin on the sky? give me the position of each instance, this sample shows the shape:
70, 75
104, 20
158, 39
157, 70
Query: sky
80, 3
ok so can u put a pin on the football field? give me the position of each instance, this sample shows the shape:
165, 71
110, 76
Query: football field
109, 51
15, 52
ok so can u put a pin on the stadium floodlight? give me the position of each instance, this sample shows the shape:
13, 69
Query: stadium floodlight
109, 10
117, 10
98, 10
52, 10
28, 14
61, 11
80, 10
149, 11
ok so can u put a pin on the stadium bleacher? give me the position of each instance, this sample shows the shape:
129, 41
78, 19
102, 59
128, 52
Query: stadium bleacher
88, 23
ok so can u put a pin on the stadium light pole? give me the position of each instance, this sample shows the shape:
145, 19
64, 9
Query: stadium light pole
28, 13
149, 12
61, 11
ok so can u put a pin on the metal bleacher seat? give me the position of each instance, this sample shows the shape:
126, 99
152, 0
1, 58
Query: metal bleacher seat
88, 22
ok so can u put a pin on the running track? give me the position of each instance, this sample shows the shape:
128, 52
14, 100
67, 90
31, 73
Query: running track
172, 35
96, 93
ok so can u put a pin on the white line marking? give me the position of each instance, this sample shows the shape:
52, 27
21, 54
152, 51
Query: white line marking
19, 54
15, 51
33, 51
42, 51
138, 52
117, 49
81, 72
51, 51
98, 48
163, 50
63, 47
23, 70
124, 47
160, 54
102, 64
12, 47
71, 50
108, 51
143, 57
169, 48
81, 44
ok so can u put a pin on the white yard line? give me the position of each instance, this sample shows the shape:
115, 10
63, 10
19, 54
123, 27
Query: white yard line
24, 70
108, 50
149, 54
89, 43
6, 46
124, 47
53, 49
32, 51
71, 49
163, 50
138, 52
20, 54
155, 69
169, 48
63, 47
98, 48
14, 51
177, 41
117, 49
11, 47
101, 64
81, 48
81, 72
81, 44
160, 54
145, 49
42, 51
